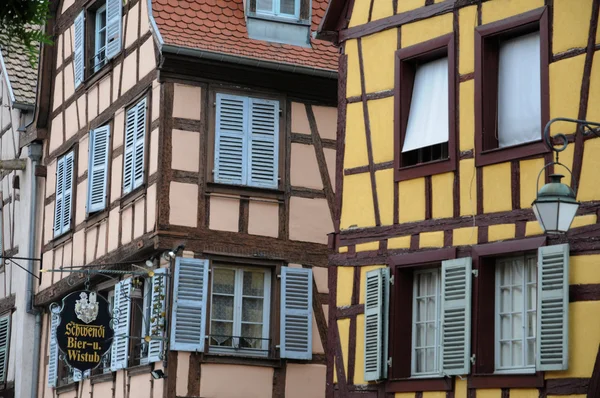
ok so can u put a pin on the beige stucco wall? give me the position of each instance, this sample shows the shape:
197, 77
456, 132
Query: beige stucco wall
250, 381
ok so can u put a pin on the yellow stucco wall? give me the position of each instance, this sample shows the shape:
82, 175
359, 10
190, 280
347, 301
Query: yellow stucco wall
570, 23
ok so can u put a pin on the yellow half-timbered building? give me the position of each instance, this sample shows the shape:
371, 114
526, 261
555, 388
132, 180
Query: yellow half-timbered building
443, 283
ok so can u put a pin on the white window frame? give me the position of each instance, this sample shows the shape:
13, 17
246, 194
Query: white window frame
437, 346
502, 262
277, 10
146, 302
98, 47
237, 312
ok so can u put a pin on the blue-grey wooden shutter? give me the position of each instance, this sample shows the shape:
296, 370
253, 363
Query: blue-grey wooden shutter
231, 139
58, 202
157, 307
296, 313
4, 346
188, 326
114, 12
98, 168
121, 322
68, 192
140, 140
53, 350
456, 316
79, 52
376, 323
263, 143
553, 308
129, 152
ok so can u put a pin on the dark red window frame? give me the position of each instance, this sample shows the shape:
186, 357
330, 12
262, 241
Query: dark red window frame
402, 268
483, 316
486, 85
406, 59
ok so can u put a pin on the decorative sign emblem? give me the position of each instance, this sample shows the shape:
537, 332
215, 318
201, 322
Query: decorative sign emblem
84, 333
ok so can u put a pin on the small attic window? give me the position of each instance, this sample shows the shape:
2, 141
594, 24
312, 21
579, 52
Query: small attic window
280, 21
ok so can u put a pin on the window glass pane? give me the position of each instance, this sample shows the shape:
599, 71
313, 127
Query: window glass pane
222, 307
287, 7
264, 5
252, 310
519, 93
220, 333
223, 281
254, 284
426, 322
251, 336
428, 115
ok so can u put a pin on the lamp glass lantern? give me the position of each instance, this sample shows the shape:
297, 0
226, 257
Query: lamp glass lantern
555, 206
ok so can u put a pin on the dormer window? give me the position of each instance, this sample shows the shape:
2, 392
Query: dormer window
279, 8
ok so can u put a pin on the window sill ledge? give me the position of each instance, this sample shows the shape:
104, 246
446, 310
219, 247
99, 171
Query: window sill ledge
425, 169
500, 155
132, 196
101, 378
96, 217
61, 239
506, 381
72, 386
274, 18
234, 359
420, 384
139, 369
244, 190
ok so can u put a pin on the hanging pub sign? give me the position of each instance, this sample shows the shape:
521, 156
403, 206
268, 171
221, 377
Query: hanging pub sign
84, 333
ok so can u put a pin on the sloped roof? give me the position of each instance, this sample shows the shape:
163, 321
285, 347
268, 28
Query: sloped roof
21, 74
220, 26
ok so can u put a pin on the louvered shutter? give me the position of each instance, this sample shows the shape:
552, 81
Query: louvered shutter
121, 319
263, 143
98, 168
456, 316
114, 14
53, 350
157, 307
188, 325
67, 192
376, 323
129, 152
4, 346
553, 308
78, 58
140, 139
230, 139
58, 203
296, 313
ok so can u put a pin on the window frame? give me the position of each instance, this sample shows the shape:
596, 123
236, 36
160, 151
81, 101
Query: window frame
302, 14
212, 137
486, 63
405, 59
237, 321
277, 11
483, 374
96, 67
402, 268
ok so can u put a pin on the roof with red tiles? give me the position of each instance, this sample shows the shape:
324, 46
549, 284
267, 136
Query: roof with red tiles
220, 26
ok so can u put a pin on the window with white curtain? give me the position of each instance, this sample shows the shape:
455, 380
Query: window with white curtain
519, 92
516, 307
240, 313
279, 8
426, 323
426, 136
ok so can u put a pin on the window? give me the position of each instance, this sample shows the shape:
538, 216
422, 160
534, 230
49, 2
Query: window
516, 293
99, 57
240, 310
426, 323
279, 8
98, 168
140, 321
104, 31
64, 194
135, 139
511, 87
4, 345
246, 141
424, 99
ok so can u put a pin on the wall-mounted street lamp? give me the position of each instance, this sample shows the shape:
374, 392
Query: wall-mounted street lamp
556, 204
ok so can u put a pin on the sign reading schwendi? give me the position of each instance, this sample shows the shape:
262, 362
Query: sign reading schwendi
84, 333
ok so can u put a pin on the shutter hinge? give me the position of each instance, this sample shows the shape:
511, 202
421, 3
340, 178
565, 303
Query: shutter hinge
389, 362
475, 273
278, 276
392, 280
473, 359
215, 103
280, 112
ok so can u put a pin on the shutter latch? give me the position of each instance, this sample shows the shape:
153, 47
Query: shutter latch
473, 359
475, 273
392, 280
280, 112
389, 362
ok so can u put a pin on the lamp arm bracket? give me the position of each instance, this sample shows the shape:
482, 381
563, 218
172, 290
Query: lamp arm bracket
585, 127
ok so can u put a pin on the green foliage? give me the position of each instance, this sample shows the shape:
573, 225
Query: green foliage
21, 24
